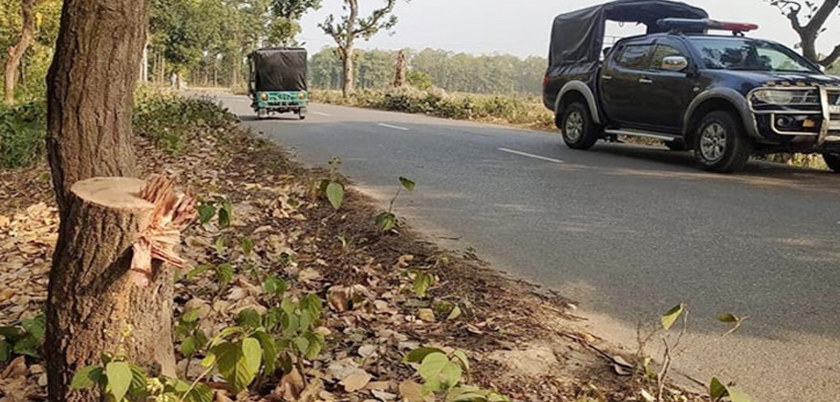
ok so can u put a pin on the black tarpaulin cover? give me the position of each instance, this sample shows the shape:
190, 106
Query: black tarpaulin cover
279, 69
577, 37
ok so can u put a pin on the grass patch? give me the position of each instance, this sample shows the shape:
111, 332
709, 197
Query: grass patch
525, 110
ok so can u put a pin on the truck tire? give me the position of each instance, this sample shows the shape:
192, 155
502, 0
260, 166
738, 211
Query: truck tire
579, 132
832, 159
720, 144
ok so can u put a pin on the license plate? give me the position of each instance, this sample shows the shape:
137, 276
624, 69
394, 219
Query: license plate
834, 109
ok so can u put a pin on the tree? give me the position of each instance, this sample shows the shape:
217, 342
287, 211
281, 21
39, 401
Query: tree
352, 27
816, 16
16, 52
97, 302
285, 25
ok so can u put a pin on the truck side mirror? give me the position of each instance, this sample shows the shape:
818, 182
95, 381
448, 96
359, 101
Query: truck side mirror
674, 63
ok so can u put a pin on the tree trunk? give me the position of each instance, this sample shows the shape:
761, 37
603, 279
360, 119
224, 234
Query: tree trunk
94, 306
144, 64
91, 91
17, 51
399, 76
90, 88
349, 79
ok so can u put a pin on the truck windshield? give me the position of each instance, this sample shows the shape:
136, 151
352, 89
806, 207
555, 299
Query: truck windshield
735, 53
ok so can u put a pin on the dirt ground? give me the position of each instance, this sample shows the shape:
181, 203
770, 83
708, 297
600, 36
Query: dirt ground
521, 340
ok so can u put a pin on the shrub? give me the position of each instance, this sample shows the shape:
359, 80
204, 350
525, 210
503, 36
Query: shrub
22, 134
169, 119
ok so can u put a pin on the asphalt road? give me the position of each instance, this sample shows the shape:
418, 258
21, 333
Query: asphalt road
628, 231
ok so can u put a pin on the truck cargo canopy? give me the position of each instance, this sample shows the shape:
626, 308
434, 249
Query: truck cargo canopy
279, 69
577, 37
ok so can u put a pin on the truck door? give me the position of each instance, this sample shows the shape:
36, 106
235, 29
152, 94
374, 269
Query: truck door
619, 82
667, 93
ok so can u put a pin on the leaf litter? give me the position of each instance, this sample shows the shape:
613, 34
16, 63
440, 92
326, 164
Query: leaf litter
372, 318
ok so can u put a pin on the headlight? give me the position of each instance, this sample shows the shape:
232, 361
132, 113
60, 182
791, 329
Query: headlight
264, 96
301, 95
783, 97
775, 97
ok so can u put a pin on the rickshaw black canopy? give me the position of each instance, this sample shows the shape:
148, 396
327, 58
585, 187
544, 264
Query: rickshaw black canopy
577, 37
279, 69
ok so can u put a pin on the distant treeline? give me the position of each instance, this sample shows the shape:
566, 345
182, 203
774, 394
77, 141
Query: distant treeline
455, 72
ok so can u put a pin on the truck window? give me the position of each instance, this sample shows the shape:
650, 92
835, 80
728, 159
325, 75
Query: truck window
661, 52
635, 57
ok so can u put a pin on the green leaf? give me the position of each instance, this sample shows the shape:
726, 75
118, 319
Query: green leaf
220, 244
208, 360
439, 372
197, 271
310, 344
191, 316
467, 393
239, 362
310, 310
417, 355
275, 286
407, 184
200, 393
386, 221
335, 193
462, 359
728, 318
87, 377
422, 282
669, 318
138, 381
270, 352
717, 390
225, 213
36, 327
224, 273
206, 211
736, 395
27, 346
455, 313
119, 379
188, 346
247, 246
249, 318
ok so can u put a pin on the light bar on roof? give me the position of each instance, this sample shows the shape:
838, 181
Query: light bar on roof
704, 24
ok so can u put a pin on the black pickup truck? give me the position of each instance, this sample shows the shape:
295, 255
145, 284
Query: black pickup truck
726, 97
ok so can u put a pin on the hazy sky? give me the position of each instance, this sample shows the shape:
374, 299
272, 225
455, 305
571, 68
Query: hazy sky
522, 27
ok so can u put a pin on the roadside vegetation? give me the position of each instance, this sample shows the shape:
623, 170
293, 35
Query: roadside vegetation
299, 289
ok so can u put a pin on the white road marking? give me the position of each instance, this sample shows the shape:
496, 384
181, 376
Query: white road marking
530, 155
321, 114
392, 126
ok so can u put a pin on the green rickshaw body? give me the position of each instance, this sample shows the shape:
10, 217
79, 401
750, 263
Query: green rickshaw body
278, 81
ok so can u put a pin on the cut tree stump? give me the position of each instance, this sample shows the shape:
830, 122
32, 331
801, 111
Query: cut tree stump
92, 285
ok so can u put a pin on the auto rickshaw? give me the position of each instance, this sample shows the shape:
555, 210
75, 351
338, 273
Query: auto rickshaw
277, 81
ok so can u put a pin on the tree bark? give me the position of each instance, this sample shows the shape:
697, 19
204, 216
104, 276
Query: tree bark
349, 77
94, 306
399, 76
16, 52
90, 89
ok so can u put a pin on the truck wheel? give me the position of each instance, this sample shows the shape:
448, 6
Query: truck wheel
720, 144
302, 113
832, 159
578, 130
262, 113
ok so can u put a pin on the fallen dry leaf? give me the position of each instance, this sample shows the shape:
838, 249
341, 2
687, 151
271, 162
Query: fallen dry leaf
355, 381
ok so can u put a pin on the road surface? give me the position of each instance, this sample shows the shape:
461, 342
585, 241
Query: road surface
628, 231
